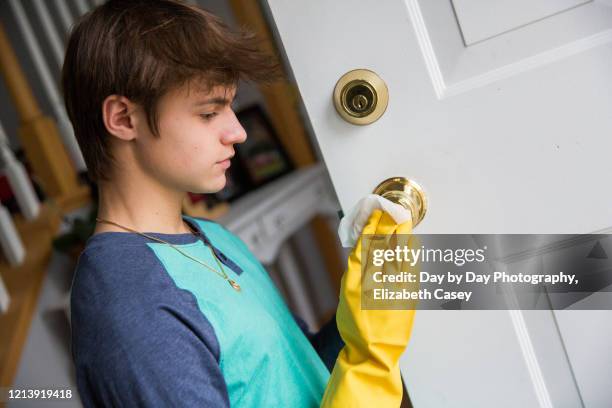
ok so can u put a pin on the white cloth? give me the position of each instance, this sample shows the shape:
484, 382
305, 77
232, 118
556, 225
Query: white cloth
352, 223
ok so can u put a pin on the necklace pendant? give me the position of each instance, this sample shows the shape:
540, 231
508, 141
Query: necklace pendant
234, 285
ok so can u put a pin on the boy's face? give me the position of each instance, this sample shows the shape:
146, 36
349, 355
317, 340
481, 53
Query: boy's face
197, 131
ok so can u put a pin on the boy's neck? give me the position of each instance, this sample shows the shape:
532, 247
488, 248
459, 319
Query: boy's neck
142, 209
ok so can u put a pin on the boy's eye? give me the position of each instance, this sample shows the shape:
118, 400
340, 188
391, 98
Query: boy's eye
208, 116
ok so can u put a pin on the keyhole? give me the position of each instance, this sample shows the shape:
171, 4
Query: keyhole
359, 98
360, 102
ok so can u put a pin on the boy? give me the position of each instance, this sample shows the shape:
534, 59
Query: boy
148, 87
167, 309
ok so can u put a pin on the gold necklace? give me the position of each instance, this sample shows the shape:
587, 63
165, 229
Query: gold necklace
223, 274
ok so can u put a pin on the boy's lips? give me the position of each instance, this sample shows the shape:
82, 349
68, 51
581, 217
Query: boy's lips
227, 158
225, 163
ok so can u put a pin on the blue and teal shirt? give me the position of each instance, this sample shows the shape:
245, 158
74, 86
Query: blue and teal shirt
151, 327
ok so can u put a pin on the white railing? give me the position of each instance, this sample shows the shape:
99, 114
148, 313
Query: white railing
49, 84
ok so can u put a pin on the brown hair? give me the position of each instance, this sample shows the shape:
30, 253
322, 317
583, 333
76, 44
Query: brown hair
142, 49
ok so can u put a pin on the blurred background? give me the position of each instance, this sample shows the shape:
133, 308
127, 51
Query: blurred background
278, 198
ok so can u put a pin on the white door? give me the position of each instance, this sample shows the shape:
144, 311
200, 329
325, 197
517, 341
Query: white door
502, 111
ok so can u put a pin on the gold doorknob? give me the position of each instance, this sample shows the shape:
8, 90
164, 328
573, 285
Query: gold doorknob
361, 97
406, 193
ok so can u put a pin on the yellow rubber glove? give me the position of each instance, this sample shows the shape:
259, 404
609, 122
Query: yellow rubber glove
366, 373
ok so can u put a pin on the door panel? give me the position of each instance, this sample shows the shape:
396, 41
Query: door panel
456, 68
586, 335
483, 19
510, 134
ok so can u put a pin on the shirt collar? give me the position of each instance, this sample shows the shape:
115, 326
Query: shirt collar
222, 257
129, 238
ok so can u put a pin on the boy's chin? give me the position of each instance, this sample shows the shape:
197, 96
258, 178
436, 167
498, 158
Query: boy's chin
212, 186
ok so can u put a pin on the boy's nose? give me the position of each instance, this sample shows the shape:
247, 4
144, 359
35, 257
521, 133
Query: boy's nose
235, 132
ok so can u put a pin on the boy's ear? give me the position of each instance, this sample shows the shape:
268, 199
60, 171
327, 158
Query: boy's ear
118, 114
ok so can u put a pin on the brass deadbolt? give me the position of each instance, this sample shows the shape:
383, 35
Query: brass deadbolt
361, 97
